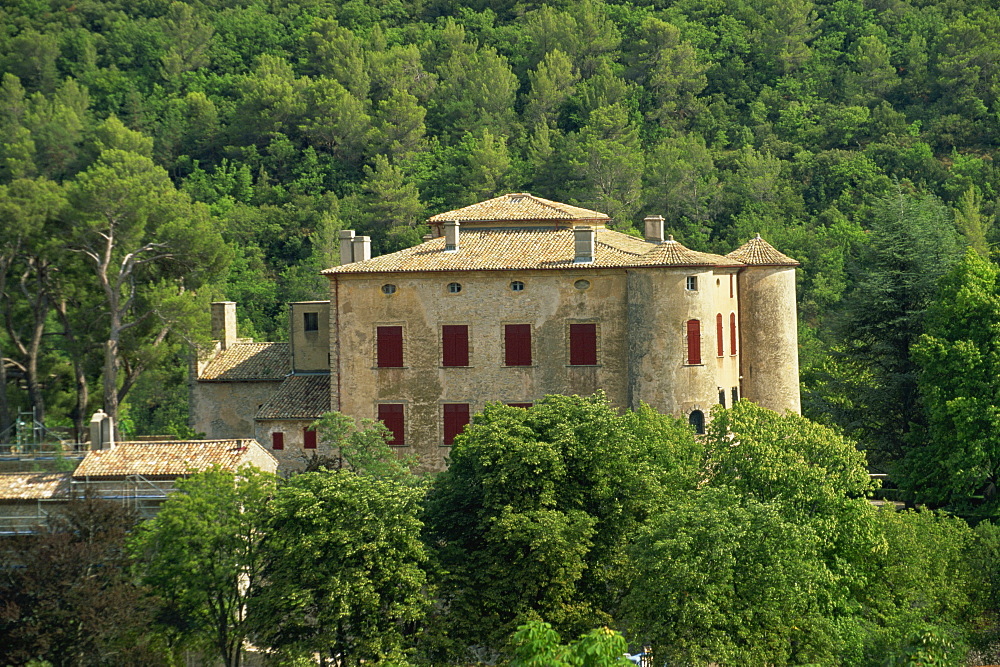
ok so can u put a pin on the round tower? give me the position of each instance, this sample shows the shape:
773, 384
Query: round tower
769, 342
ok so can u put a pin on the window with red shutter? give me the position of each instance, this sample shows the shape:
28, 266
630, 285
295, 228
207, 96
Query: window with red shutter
309, 438
694, 341
391, 414
389, 347
456, 416
583, 344
517, 344
277, 440
732, 278
719, 335
455, 345
732, 333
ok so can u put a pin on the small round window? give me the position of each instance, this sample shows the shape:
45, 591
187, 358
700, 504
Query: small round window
581, 284
517, 286
454, 288
388, 289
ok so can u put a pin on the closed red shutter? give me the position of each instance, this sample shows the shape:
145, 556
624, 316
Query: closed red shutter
389, 347
277, 440
309, 438
694, 341
391, 414
732, 333
456, 416
731, 277
719, 335
583, 344
517, 344
454, 345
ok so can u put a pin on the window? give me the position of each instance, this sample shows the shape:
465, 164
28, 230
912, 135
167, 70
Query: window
719, 335
309, 438
389, 347
517, 286
454, 288
583, 344
694, 342
697, 420
736, 394
517, 344
732, 277
582, 284
310, 321
722, 397
455, 345
456, 416
391, 414
732, 333
692, 283
388, 289
277, 440
520, 405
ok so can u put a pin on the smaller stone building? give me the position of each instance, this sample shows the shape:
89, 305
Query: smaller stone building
27, 497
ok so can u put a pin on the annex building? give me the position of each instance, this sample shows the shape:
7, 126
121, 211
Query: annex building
508, 300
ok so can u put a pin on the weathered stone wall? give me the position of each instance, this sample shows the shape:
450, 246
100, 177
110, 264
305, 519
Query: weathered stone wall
422, 304
310, 349
294, 456
223, 410
770, 337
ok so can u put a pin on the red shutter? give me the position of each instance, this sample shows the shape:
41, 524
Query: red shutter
694, 341
517, 344
277, 440
731, 277
390, 347
583, 344
719, 335
391, 414
309, 438
732, 333
455, 345
456, 416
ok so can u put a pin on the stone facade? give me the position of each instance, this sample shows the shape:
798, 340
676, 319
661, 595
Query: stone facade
645, 321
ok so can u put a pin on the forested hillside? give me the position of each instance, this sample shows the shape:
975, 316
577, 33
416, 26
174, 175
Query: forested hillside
156, 154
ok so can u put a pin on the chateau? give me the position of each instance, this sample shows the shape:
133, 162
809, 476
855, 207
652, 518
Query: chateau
508, 300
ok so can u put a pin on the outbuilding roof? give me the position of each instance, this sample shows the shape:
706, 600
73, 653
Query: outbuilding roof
758, 252
521, 249
520, 207
298, 397
245, 362
167, 459
34, 485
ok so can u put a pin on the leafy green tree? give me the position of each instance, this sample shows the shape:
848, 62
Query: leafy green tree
188, 39
551, 85
149, 248
201, 556
531, 518
344, 577
362, 448
958, 364
537, 645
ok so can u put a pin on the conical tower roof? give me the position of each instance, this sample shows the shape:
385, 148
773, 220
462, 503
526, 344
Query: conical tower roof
758, 252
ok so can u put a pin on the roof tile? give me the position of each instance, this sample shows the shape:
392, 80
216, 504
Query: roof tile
519, 207
34, 485
249, 361
758, 252
521, 249
165, 459
298, 397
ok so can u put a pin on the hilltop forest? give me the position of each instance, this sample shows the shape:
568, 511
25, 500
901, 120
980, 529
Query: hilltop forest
156, 155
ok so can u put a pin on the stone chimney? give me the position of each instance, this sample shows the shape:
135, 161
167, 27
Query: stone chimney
102, 431
224, 323
362, 246
583, 244
450, 236
654, 229
346, 249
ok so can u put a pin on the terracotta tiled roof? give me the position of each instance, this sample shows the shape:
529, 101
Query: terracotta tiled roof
249, 361
519, 207
164, 459
34, 485
520, 249
758, 252
298, 397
